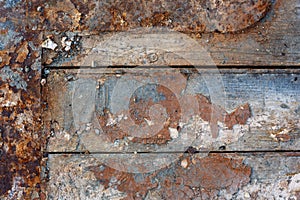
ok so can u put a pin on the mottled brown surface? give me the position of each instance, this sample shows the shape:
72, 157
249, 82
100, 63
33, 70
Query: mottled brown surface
79, 176
214, 113
205, 176
202, 178
139, 109
266, 119
24, 22
191, 16
271, 41
125, 182
21, 139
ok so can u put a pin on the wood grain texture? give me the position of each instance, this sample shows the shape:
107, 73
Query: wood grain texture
272, 97
273, 42
272, 176
254, 35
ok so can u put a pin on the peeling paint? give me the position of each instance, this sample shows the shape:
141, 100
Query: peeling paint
21, 138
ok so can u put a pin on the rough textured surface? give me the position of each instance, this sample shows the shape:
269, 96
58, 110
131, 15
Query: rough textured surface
273, 119
139, 112
259, 32
221, 176
272, 41
191, 16
269, 112
21, 139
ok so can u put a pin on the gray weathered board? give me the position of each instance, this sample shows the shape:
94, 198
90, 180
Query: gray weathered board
274, 41
268, 143
74, 96
273, 176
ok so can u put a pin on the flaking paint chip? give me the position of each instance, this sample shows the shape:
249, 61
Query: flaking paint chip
49, 44
173, 133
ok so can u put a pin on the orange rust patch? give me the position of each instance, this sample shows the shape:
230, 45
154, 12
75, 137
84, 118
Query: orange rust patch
213, 114
22, 52
157, 19
191, 16
5, 58
20, 137
283, 137
239, 116
207, 111
172, 108
124, 181
112, 133
62, 15
139, 112
204, 177
118, 21
3, 32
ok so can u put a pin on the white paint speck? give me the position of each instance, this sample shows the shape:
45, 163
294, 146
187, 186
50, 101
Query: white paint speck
294, 186
173, 133
184, 163
49, 44
149, 122
247, 195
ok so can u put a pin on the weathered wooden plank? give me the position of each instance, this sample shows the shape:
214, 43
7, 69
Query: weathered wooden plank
221, 176
273, 41
251, 110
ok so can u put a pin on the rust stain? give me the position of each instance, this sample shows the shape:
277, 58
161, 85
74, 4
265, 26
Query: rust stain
192, 16
157, 19
214, 113
123, 181
22, 52
3, 32
20, 143
204, 178
5, 58
139, 113
118, 21
21, 138
195, 17
283, 134
283, 137
61, 15
139, 109
243, 15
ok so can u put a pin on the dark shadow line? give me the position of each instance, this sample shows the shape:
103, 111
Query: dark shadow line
167, 152
232, 67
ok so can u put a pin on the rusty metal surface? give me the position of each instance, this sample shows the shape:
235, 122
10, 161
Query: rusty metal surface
21, 139
24, 28
187, 16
